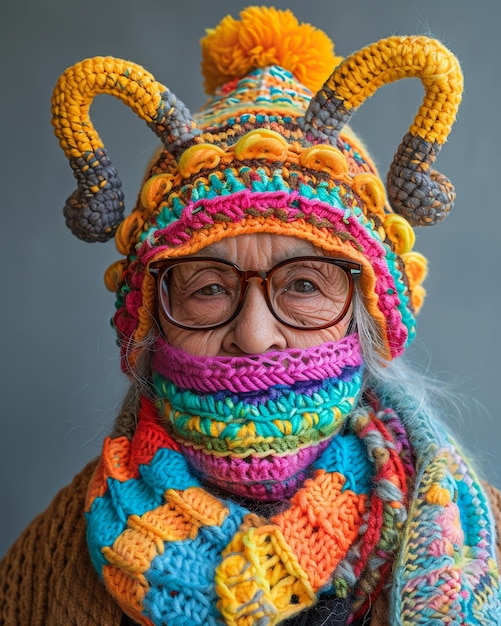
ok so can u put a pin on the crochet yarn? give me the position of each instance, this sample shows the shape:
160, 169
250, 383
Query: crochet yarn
269, 152
234, 48
253, 425
447, 570
363, 494
170, 552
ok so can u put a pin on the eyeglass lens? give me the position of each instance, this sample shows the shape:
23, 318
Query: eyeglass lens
300, 293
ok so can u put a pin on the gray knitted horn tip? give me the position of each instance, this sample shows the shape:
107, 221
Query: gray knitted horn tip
94, 211
422, 195
424, 199
97, 219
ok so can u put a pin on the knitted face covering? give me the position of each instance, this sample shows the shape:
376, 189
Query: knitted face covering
254, 425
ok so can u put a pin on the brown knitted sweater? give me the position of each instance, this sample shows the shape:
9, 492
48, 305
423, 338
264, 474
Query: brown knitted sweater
47, 578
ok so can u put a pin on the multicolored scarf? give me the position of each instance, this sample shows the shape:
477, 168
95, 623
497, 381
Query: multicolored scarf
172, 550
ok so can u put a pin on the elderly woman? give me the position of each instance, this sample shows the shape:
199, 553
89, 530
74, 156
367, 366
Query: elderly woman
275, 461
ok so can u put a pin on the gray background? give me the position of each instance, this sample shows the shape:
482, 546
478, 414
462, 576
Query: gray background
61, 383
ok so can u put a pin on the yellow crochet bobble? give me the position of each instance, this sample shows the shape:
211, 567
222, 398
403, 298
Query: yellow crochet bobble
417, 298
114, 274
261, 144
199, 157
154, 189
324, 159
129, 231
438, 495
371, 190
266, 36
400, 233
416, 268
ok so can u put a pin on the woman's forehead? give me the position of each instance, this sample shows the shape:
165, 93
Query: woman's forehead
267, 244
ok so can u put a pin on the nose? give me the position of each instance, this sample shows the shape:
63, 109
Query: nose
254, 330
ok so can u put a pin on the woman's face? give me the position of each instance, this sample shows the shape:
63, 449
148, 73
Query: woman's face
255, 330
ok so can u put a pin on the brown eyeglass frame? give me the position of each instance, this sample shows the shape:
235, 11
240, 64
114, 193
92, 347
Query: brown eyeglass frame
158, 269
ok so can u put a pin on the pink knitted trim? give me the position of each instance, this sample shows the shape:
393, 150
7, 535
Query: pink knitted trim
238, 206
255, 372
269, 478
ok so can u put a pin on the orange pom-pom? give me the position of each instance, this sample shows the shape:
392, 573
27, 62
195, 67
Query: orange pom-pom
266, 36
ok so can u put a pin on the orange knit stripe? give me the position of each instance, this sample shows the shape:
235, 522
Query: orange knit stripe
116, 459
114, 463
127, 592
321, 524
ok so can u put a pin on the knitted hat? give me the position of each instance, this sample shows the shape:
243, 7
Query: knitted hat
269, 152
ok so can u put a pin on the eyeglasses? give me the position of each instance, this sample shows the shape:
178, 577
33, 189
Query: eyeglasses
203, 293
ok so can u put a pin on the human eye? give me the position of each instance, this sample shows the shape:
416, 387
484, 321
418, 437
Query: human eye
201, 293
308, 293
300, 285
209, 282
309, 282
299, 279
212, 289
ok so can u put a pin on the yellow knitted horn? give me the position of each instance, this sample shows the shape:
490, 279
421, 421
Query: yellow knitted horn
415, 191
94, 211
